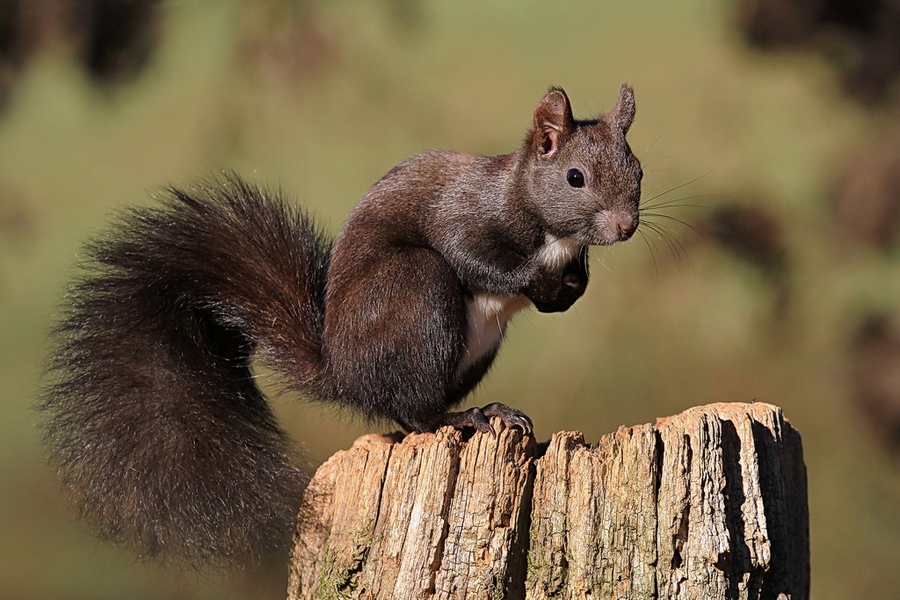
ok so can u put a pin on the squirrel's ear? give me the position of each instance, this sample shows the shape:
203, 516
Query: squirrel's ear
552, 117
622, 115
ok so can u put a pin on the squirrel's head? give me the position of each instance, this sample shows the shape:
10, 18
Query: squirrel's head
583, 179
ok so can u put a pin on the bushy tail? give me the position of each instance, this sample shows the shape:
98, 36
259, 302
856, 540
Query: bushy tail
153, 418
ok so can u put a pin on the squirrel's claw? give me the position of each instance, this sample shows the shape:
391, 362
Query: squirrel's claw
511, 417
480, 419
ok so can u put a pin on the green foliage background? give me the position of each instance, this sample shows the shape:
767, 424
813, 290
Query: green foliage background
324, 113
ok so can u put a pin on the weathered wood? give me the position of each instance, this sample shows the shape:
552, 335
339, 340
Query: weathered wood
594, 517
708, 504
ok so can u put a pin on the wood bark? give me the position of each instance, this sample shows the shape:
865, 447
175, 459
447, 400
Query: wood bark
710, 503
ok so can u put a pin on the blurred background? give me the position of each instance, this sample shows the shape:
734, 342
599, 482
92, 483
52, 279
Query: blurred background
768, 129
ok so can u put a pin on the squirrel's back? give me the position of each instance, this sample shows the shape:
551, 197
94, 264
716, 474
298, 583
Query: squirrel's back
154, 420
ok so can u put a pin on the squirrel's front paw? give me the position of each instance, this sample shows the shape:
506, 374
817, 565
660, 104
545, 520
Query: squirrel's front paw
571, 287
556, 292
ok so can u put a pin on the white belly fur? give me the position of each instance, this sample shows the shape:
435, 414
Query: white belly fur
488, 313
487, 317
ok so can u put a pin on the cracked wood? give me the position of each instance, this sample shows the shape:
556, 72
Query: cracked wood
709, 503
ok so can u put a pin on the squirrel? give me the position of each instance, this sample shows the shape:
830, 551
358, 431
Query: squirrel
152, 416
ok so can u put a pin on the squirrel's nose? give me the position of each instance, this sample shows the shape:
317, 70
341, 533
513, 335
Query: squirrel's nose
625, 227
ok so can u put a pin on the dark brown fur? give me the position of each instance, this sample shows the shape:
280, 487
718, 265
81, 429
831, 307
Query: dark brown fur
161, 435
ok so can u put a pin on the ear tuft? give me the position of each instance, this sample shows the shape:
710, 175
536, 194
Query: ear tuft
622, 115
552, 118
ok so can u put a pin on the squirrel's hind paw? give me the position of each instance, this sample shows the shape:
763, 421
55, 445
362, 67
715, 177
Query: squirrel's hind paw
480, 419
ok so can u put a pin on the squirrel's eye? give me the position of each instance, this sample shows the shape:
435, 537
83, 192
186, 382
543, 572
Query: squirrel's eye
575, 178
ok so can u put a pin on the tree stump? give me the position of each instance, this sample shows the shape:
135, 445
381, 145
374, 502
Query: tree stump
707, 504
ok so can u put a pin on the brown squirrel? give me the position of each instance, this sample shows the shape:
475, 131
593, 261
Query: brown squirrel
152, 416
